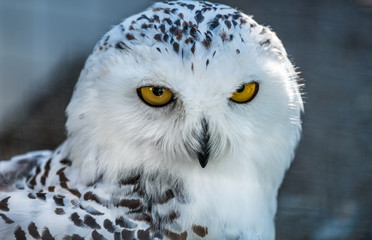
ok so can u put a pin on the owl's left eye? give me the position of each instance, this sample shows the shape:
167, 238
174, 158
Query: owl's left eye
155, 96
245, 93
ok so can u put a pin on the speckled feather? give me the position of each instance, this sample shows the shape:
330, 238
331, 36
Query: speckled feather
46, 201
186, 26
129, 171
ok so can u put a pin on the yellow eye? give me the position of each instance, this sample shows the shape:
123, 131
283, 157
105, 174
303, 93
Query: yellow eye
155, 96
245, 93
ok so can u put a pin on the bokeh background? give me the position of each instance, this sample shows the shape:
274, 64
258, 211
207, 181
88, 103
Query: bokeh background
326, 194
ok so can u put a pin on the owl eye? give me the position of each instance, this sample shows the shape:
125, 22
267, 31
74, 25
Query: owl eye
245, 93
155, 96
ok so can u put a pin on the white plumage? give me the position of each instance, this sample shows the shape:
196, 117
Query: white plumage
182, 125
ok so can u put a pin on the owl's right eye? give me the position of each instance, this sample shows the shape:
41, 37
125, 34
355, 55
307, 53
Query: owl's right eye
155, 96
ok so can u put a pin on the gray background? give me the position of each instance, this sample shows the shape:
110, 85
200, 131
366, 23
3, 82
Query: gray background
327, 193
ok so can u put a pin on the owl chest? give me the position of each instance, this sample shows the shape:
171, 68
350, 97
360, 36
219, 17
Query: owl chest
230, 208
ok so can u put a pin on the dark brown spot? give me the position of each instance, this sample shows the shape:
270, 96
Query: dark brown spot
131, 27
97, 236
176, 47
129, 203
168, 21
156, 18
75, 218
207, 63
157, 37
192, 67
91, 197
207, 42
6, 219
66, 161
193, 33
127, 234
73, 237
32, 182
130, 36
4, 204
199, 16
193, 49
175, 236
178, 34
59, 211
125, 223
263, 31
189, 40
74, 192
167, 11
31, 195
46, 235
143, 217
199, 230
41, 196
143, 16
265, 42
32, 229
51, 188
180, 15
62, 176
117, 236
143, 234
177, 22
223, 36
228, 24
109, 226
237, 51
75, 202
76, 237
172, 216
165, 37
91, 222
158, 49
213, 23
131, 180
19, 234
58, 200
190, 6
46, 172
243, 21
162, 28
121, 45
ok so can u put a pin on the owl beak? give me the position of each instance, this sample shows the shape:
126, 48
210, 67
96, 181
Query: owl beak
203, 154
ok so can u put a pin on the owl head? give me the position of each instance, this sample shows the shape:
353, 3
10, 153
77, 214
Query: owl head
184, 87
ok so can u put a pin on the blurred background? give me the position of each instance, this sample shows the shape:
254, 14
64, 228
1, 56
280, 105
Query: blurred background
326, 194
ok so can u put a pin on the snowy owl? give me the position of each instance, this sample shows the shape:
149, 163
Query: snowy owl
181, 126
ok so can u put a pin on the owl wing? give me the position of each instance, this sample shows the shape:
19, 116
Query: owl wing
15, 170
38, 200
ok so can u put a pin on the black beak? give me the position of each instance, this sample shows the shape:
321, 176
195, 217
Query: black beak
203, 155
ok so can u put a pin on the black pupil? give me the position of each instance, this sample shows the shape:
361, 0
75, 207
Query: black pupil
240, 89
157, 91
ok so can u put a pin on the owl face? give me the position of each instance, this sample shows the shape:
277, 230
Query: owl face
216, 97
